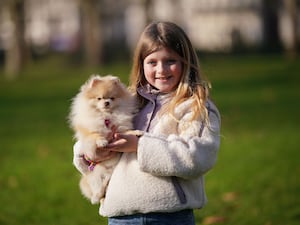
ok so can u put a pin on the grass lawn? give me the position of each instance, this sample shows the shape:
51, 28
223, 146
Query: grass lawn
254, 182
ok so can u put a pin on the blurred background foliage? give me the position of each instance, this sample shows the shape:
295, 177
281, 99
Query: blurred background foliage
94, 32
247, 48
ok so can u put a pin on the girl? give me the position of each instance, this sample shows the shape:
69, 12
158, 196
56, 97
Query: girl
160, 177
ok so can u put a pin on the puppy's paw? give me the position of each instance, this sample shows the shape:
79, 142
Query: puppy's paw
95, 200
101, 143
97, 197
102, 200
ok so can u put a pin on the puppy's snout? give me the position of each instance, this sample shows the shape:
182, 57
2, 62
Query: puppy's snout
106, 104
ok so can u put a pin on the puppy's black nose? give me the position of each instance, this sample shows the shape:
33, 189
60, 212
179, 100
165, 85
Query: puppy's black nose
106, 104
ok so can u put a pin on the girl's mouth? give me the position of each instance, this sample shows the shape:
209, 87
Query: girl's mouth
165, 78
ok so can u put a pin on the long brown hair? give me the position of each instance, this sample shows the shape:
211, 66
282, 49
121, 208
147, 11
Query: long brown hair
192, 85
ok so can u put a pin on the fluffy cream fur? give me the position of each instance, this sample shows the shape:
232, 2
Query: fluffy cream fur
102, 105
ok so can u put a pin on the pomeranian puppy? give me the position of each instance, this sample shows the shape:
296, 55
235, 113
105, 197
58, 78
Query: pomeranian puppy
103, 105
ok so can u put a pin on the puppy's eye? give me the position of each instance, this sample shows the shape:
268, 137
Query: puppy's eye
99, 98
112, 98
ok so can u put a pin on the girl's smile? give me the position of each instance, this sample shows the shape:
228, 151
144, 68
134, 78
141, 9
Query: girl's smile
163, 69
164, 78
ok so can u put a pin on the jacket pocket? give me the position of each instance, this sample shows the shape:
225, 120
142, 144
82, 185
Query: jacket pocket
180, 193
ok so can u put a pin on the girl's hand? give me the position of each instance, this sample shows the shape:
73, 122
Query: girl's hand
103, 155
124, 142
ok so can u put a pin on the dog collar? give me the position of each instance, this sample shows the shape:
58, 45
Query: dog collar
90, 162
107, 122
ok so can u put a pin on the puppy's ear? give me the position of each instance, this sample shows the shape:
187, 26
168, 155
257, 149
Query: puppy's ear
94, 81
115, 79
91, 82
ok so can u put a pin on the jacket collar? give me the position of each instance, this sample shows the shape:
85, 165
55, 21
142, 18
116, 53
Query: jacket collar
151, 94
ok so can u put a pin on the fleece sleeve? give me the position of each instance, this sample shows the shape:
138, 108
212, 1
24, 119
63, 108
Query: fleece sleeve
176, 156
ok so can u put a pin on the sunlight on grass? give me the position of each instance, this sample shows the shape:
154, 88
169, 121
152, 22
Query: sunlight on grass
255, 179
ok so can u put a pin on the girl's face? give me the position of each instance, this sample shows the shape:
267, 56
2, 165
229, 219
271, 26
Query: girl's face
163, 69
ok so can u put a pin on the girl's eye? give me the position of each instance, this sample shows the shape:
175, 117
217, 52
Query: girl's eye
151, 62
171, 61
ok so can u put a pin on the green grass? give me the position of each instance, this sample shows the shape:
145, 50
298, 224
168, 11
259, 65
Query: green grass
255, 180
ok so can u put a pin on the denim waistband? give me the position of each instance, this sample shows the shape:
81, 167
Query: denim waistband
183, 217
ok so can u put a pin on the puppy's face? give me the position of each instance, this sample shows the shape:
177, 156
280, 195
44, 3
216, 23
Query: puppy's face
103, 93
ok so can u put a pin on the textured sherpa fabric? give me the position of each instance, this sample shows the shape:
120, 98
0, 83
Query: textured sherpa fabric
142, 181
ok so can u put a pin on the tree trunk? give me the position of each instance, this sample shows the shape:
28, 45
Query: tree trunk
291, 8
92, 43
271, 25
148, 11
15, 53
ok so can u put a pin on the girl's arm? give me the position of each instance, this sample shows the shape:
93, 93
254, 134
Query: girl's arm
175, 156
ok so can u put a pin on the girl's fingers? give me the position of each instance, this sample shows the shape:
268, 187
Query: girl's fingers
103, 154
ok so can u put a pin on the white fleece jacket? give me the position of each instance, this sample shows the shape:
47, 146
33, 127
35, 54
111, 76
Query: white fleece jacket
166, 174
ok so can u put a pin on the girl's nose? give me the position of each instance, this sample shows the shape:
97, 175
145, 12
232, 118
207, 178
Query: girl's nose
161, 67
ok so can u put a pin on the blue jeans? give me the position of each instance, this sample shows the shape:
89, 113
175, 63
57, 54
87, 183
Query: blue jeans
185, 217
